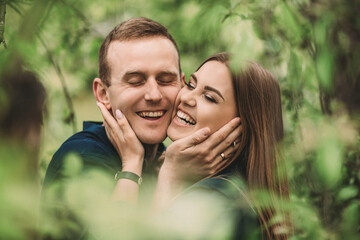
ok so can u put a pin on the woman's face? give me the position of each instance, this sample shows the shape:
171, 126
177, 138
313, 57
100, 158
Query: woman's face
206, 101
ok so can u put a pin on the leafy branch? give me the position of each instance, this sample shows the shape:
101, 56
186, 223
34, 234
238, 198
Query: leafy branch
2, 22
56, 65
42, 11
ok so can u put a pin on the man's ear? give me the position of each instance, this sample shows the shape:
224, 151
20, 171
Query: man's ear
183, 80
101, 92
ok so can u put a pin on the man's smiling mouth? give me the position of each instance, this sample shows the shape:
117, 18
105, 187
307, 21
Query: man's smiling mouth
184, 118
151, 115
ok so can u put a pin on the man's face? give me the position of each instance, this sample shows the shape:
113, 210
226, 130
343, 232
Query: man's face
144, 82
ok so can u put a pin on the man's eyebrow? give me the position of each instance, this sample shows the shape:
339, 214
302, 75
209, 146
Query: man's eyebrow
167, 73
208, 88
142, 74
132, 73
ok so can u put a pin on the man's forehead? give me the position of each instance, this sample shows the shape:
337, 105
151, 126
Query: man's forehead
144, 54
159, 43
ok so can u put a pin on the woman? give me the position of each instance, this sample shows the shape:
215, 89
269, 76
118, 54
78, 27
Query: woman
213, 96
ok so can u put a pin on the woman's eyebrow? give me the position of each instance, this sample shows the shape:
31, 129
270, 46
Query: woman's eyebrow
208, 88
194, 77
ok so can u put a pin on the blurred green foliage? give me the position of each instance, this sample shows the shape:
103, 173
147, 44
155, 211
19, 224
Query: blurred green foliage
312, 47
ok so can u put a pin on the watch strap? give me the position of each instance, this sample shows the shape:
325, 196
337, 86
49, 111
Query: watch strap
128, 175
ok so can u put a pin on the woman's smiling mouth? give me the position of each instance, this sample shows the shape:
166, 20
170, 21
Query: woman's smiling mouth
184, 118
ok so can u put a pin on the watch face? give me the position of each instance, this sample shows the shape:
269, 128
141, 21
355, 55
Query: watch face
117, 176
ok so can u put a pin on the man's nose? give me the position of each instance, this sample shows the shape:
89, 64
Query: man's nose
153, 92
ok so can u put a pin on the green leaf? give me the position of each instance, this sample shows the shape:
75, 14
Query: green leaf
72, 165
329, 161
347, 193
325, 53
350, 221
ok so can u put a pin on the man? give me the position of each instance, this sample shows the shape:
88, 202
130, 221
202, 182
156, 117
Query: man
139, 72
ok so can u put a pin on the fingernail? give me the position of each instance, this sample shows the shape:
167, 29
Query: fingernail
118, 114
206, 131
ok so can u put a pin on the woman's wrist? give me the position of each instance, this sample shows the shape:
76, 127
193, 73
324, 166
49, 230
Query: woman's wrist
134, 166
170, 178
168, 187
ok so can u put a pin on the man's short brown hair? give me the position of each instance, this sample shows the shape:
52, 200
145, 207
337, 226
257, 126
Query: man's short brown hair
135, 28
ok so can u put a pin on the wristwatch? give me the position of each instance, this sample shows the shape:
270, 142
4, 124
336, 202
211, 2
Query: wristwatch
128, 175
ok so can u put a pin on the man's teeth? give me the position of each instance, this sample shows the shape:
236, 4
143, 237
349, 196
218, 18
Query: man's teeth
184, 118
151, 114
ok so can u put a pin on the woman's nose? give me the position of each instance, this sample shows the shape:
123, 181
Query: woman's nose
188, 98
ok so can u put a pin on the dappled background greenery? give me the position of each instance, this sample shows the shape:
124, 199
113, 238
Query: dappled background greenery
311, 46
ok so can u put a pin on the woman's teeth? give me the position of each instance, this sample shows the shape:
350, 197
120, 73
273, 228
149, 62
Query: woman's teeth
184, 118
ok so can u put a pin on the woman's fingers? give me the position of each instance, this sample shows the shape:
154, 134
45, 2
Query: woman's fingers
124, 124
205, 148
197, 143
194, 139
108, 118
112, 128
224, 157
109, 121
226, 149
222, 164
228, 143
120, 125
108, 130
225, 135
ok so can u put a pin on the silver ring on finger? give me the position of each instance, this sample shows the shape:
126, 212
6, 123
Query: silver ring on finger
222, 155
234, 143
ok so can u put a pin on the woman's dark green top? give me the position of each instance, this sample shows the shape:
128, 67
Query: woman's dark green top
216, 208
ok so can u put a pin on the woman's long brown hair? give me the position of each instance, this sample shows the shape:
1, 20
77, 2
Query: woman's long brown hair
258, 99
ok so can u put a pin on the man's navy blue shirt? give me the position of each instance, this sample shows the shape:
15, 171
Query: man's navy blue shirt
94, 148
96, 152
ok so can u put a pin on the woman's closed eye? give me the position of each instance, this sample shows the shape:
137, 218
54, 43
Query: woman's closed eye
210, 98
190, 84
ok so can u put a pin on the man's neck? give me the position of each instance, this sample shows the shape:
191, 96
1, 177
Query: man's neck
150, 153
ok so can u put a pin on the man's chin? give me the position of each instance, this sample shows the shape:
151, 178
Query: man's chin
148, 139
